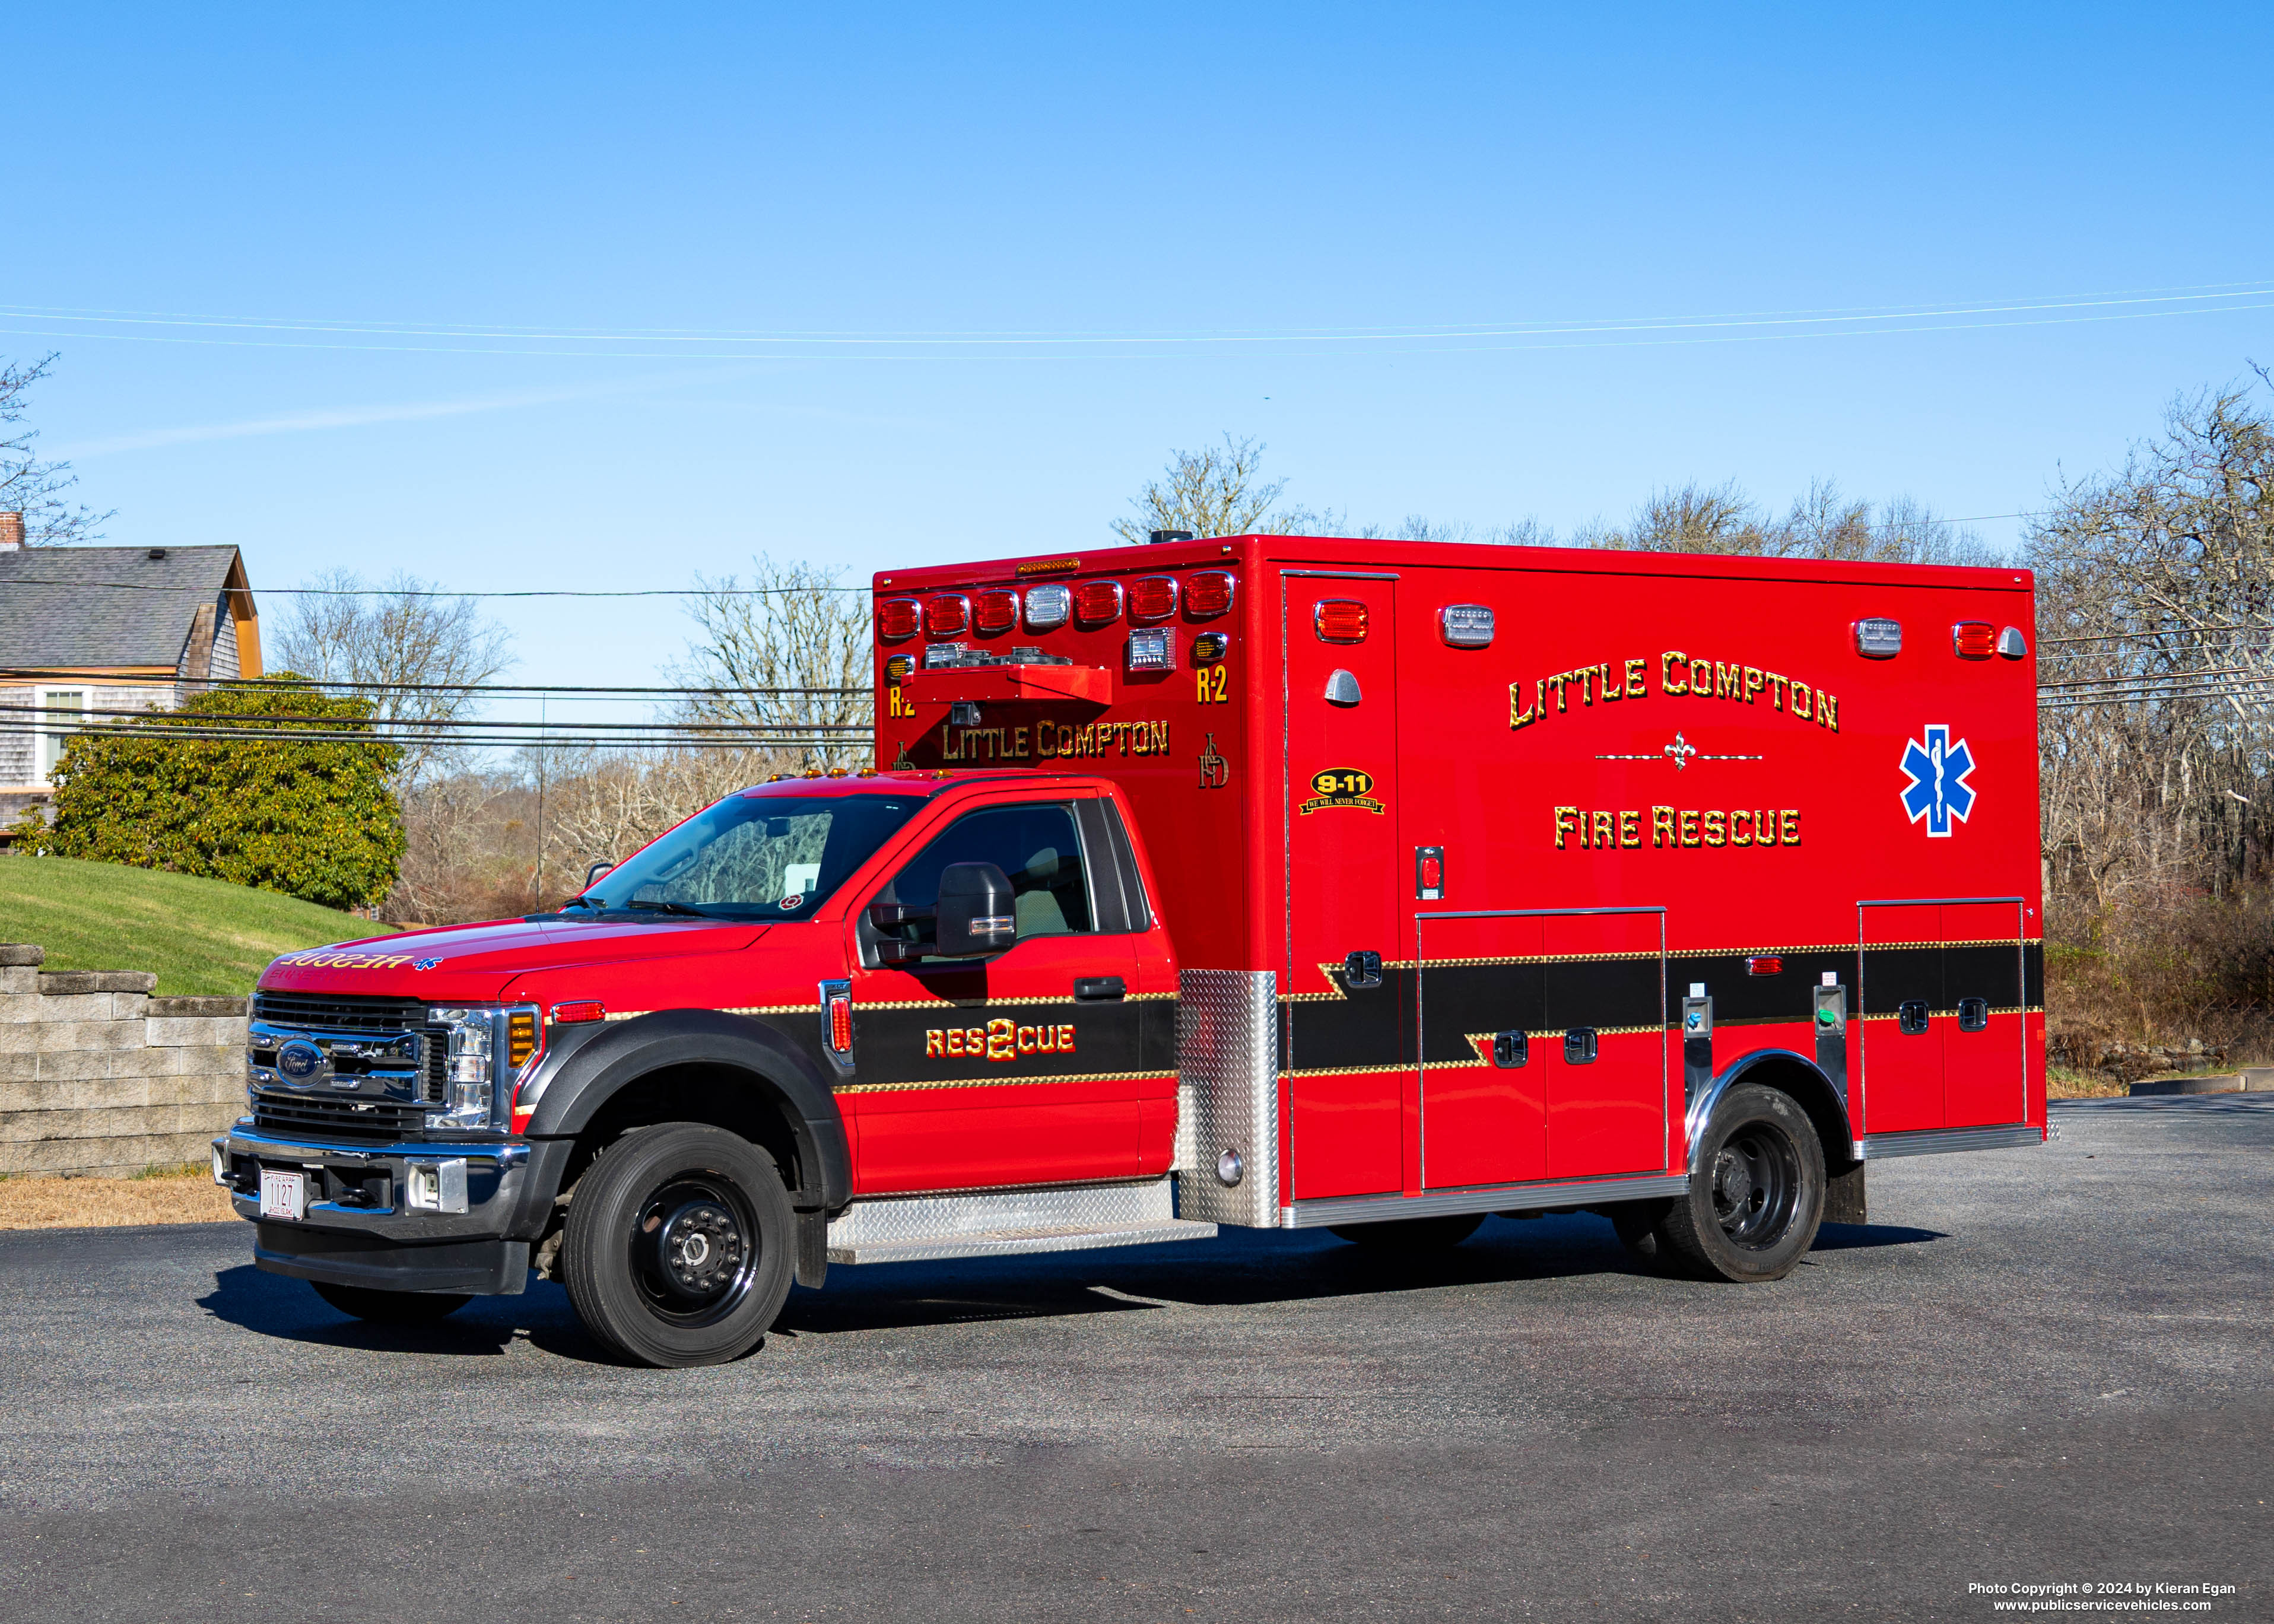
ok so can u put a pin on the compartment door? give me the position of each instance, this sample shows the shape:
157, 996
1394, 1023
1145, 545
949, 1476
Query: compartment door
1348, 1056
1483, 1115
1901, 993
1606, 1035
1984, 1043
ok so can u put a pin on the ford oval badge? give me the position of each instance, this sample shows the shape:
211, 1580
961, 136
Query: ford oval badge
299, 1060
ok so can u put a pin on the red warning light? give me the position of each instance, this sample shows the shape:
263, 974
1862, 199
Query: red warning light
1152, 597
898, 618
1097, 602
1339, 619
1207, 594
1974, 639
947, 615
995, 612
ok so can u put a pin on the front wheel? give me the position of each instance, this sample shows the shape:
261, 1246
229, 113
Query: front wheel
390, 1307
1756, 1190
680, 1246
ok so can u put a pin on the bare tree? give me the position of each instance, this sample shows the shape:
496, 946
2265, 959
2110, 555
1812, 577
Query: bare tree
1824, 525
427, 653
787, 657
1219, 491
29, 486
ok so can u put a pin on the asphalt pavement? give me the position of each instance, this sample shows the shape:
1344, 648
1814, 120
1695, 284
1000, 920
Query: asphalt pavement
2043, 1367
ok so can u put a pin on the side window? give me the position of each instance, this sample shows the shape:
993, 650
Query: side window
1034, 845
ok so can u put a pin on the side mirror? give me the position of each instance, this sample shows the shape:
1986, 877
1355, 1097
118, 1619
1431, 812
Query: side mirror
596, 872
978, 912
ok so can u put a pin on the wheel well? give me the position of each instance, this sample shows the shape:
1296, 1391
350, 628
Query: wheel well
1812, 1092
722, 1096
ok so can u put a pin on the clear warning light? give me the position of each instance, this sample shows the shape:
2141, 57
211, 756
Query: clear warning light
1465, 626
1154, 649
1879, 639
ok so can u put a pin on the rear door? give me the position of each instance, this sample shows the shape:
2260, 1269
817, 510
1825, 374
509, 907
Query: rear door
1605, 1034
1348, 1056
1481, 1004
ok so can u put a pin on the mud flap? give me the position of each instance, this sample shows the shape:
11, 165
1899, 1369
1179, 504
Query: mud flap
812, 1249
1843, 1196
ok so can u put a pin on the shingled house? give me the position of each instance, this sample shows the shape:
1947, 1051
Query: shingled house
108, 628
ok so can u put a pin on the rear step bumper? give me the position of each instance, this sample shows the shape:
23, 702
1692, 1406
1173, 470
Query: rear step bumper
1006, 1222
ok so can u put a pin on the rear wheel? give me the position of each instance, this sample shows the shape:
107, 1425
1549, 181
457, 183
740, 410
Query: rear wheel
390, 1307
1411, 1234
1756, 1191
680, 1246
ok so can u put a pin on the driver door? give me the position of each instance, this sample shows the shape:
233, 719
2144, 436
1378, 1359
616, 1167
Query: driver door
1019, 1069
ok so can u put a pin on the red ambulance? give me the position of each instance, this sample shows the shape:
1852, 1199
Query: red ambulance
1268, 881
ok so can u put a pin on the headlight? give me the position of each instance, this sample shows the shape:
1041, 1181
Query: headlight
489, 1049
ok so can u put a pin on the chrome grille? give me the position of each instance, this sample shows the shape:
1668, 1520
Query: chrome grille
337, 1118
319, 1012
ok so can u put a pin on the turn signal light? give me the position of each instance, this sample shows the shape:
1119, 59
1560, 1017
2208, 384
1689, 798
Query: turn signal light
897, 669
580, 1008
995, 611
1152, 597
1339, 619
520, 1038
1765, 965
947, 615
1097, 602
1207, 594
897, 618
1974, 639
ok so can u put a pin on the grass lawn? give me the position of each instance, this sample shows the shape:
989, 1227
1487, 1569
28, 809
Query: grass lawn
200, 936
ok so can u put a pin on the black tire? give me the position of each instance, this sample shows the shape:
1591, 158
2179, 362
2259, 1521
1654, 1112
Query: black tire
1411, 1234
1756, 1191
680, 1246
390, 1307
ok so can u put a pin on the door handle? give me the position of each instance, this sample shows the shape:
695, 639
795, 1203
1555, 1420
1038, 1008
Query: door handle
1099, 988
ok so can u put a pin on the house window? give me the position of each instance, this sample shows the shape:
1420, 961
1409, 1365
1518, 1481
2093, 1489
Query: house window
60, 708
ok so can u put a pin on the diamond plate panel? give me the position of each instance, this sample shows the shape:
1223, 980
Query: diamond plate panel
884, 1220
1228, 1071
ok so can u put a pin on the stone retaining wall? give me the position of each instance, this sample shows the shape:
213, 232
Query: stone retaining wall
98, 1077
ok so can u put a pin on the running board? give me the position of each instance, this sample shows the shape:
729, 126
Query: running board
1006, 1222
1934, 1141
1482, 1198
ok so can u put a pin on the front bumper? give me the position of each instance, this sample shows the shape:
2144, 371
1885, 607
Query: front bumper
359, 1230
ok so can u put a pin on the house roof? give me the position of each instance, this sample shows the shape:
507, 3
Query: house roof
99, 608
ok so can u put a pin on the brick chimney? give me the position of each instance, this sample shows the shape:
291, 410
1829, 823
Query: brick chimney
11, 533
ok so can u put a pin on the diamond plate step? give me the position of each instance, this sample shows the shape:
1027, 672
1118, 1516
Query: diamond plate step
1001, 1223
1005, 1243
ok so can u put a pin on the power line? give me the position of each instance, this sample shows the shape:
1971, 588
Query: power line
382, 591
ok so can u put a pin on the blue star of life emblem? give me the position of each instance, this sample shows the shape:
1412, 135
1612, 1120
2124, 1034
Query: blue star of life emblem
1938, 770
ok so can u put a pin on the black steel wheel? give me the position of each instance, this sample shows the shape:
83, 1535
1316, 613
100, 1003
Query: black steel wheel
1411, 1234
680, 1246
1755, 1191
390, 1307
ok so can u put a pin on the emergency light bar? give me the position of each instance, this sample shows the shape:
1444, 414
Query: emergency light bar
1097, 602
995, 612
1048, 606
947, 615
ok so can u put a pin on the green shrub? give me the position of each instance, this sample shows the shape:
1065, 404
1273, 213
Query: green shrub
310, 818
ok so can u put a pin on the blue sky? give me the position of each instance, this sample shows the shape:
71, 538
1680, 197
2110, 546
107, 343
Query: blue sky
1084, 238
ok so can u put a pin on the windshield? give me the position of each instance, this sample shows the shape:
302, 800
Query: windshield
775, 857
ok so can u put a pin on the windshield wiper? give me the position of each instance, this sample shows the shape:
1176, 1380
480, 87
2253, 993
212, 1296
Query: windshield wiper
669, 907
581, 902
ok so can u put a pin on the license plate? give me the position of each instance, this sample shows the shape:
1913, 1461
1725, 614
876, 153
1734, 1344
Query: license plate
284, 1195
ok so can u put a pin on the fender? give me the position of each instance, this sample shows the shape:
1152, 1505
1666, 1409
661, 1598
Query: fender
625, 1051
1798, 1076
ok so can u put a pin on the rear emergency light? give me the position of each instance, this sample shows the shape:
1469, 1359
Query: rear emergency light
1152, 597
836, 999
1339, 619
1465, 626
947, 615
1097, 602
1974, 639
1048, 606
898, 618
1207, 594
995, 612
1152, 649
1879, 639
